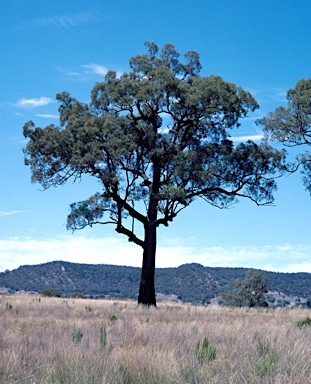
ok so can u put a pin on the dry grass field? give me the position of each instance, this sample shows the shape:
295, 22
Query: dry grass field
50, 340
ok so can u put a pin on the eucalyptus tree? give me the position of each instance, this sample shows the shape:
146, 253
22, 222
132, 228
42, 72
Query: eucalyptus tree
248, 292
291, 125
156, 138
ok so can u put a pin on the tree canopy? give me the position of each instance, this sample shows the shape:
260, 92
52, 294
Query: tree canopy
248, 292
156, 138
291, 125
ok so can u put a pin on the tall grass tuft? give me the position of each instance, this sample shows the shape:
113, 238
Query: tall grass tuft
103, 336
205, 352
77, 336
267, 358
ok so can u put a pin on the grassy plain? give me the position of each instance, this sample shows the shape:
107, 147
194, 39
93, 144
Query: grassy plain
53, 341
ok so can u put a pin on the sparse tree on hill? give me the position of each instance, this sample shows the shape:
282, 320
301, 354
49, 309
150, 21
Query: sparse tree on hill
248, 292
156, 138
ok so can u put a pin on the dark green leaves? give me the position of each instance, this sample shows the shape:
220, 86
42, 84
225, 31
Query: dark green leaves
91, 211
291, 125
248, 292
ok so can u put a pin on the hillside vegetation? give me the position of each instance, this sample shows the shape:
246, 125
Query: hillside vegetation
56, 340
187, 283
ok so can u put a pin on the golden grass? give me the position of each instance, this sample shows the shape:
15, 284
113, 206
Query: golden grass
148, 345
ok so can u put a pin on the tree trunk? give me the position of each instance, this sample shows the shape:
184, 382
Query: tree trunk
147, 290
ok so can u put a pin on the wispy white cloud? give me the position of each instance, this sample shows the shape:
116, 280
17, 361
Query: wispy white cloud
279, 95
246, 138
267, 94
16, 251
71, 73
110, 250
95, 69
88, 72
66, 21
10, 213
32, 103
47, 116
281, 258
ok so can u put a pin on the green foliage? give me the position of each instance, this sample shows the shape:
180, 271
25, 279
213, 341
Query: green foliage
303, 322
263, 347
103, 337
307, 303
267, 358
121, 133
113, 317
291, 125
51, 292
248, 292
77, 336
205, 352
8, 306
88, 308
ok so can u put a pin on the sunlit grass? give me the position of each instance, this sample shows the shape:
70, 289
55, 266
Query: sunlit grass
97, 341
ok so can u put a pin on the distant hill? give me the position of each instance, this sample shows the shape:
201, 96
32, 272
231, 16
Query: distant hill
188, 283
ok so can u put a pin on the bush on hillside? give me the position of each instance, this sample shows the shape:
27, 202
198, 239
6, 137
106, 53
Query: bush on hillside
51, 292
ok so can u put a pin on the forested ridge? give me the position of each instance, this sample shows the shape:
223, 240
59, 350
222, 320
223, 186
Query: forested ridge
188, 283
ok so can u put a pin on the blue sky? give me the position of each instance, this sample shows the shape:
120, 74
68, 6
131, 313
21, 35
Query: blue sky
53, 46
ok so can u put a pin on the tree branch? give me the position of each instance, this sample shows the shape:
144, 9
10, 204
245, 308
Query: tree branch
131, 236
132, 211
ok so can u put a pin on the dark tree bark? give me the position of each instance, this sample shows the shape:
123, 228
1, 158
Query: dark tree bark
147, 289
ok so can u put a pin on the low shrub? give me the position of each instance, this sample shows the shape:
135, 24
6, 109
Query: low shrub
51, 292
303, 322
